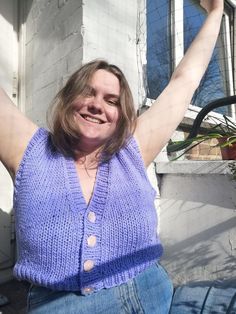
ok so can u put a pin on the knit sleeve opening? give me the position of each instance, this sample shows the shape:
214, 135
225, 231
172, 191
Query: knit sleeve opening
135, 147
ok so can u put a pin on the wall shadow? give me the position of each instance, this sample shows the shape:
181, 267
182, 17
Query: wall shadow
198, 251
6, 251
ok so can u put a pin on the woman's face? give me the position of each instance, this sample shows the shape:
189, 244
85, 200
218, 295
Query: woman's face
97, 112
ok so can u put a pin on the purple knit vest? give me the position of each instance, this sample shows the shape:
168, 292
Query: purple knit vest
53, 221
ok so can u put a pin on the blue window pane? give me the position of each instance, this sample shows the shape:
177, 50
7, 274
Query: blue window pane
158, 46
212, 85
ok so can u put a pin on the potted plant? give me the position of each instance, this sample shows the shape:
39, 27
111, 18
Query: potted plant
224, 131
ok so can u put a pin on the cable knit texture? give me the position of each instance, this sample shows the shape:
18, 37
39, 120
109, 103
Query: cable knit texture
53, 225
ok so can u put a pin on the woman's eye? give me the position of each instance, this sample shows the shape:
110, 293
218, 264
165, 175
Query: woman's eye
113, 102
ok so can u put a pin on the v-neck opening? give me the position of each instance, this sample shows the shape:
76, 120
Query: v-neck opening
94, 186
100, 187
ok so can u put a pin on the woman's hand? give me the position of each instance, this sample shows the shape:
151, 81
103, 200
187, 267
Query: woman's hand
212, 5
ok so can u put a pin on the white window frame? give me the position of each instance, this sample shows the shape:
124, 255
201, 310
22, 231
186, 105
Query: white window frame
229, 68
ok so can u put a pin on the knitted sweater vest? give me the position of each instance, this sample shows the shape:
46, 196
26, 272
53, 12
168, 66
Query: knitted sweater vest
53, 221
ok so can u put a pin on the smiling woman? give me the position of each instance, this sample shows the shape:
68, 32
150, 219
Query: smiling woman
86, 222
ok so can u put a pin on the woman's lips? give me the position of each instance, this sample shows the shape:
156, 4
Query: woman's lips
91, 119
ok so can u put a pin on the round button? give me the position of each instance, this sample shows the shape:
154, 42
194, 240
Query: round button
91, 240
87, 290
92, 217
88, 265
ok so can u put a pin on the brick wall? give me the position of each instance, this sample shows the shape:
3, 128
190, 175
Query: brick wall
8, 45
52, 51
207, 150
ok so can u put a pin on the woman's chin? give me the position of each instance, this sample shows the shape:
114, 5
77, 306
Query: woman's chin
92, 141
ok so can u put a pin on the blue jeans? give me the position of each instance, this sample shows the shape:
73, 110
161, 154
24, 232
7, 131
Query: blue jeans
205, 297
150, 292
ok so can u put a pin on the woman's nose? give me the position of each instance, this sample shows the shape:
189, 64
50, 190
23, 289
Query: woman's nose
96, 104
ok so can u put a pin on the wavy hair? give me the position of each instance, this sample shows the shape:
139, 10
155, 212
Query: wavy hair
65, 132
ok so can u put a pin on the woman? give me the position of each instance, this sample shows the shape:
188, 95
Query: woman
85, 219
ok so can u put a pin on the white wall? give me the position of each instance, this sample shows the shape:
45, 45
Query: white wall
8, 45
198, 220
8, 77
110, 32
52, 50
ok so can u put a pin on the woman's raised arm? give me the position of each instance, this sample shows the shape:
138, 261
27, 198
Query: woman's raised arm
15, 133
157, 124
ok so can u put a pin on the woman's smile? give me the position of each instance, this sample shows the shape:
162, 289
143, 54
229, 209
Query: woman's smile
92, 119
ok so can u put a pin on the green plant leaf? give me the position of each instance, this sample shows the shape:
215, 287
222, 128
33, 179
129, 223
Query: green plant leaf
224, 128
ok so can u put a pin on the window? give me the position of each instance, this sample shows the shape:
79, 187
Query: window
162, 49
158, 46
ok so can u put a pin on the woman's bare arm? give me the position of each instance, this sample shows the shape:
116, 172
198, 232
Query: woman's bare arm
15, 132
157, 124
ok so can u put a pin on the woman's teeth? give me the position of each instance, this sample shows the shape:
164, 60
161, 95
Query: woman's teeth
91, 119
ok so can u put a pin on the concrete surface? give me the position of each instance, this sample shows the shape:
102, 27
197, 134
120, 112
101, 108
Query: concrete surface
198, 220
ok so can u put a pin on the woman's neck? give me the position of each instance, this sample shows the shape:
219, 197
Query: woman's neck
87, 160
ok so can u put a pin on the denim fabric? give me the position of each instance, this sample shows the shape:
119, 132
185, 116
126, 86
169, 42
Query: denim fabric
150, 293
205, 297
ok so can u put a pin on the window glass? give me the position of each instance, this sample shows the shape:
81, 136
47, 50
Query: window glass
158, 46
214, 83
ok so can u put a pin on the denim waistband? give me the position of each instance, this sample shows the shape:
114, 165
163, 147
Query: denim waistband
149, 292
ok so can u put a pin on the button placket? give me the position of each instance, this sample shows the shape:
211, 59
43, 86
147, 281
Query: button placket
91, 242
92, 227
89, 260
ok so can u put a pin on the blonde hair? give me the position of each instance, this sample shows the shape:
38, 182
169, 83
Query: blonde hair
65, 132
